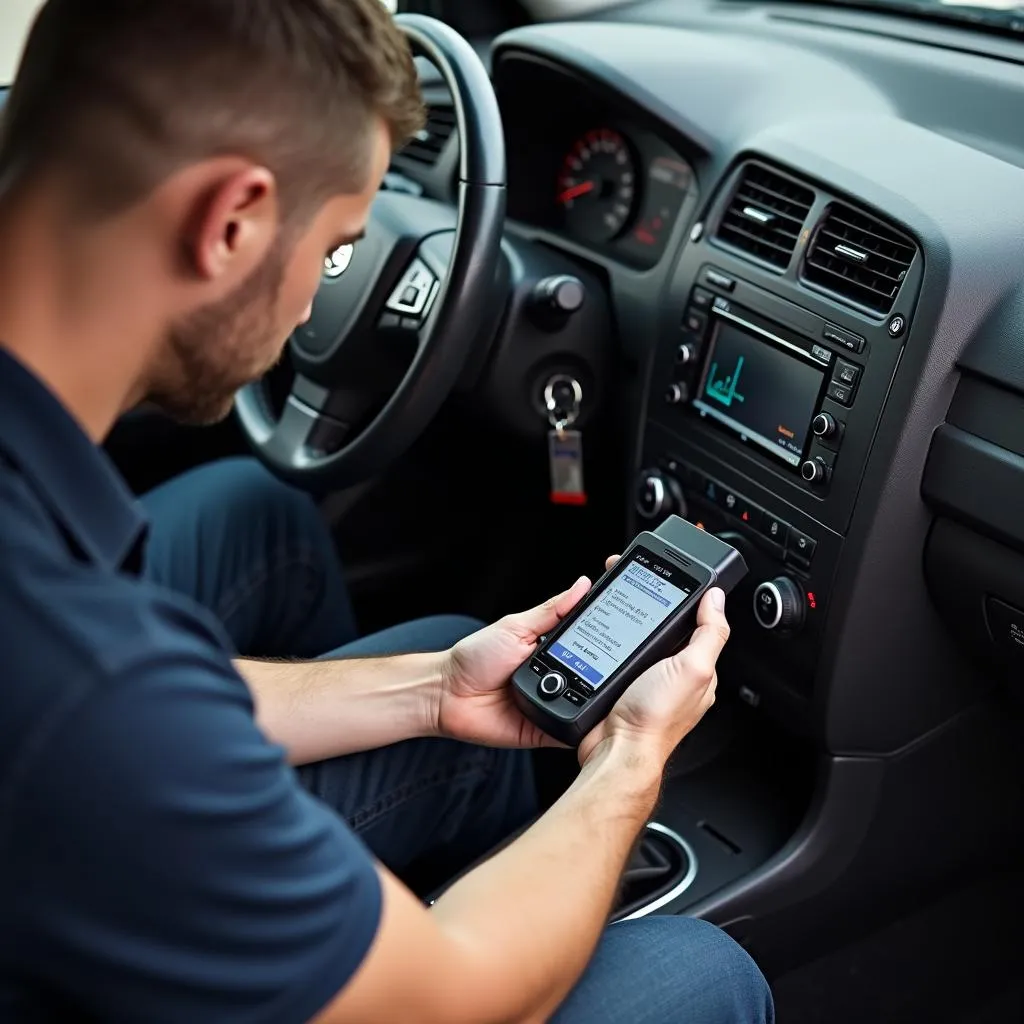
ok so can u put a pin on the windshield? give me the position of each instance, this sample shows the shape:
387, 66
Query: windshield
1004, 16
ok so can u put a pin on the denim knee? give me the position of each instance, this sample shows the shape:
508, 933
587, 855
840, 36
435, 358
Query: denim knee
743, 992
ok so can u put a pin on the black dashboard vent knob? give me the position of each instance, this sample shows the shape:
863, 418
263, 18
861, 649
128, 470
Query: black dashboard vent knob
858, 258
765, 215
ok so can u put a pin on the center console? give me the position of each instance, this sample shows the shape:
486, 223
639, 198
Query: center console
762, 405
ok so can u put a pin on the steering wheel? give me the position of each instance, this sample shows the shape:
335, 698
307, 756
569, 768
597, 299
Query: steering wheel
422, 281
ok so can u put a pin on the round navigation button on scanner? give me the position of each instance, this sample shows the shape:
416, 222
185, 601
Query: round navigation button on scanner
551, 686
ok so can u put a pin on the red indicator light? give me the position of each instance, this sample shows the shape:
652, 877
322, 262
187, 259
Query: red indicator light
699, 525
811, 599
746, 517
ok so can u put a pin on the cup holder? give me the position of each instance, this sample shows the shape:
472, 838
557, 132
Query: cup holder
662, 867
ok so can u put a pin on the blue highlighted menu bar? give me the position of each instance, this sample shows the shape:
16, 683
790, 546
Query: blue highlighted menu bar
577, 664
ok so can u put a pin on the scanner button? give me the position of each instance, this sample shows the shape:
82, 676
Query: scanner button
575, 698
551, 685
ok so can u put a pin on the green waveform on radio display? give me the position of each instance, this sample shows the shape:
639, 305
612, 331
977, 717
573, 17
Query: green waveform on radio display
724, 388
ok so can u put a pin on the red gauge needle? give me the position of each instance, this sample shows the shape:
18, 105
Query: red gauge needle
576, 191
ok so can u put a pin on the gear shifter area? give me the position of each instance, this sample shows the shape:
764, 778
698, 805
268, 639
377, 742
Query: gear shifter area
663, 866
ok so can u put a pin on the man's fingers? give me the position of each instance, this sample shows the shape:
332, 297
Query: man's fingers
547, 615
710, 636
610, 561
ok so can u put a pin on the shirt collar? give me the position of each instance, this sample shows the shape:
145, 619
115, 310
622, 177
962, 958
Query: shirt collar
74, 479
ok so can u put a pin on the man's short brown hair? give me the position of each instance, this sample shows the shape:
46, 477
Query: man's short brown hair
121, 93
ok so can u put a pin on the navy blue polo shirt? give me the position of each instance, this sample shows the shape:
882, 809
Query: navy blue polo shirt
159, 860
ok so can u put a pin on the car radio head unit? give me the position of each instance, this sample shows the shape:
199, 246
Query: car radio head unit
760, 386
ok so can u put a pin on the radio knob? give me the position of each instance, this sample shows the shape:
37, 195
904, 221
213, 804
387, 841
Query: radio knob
658, 495
824, 425
677, 393
779, 605
814, 471
686, 354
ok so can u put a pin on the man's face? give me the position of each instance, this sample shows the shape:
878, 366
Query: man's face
220, 348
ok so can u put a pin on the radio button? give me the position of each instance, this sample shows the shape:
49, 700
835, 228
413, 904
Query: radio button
840, 393
695, 321
821, 353
701, 298
717, 279
851, 342
774, 529
846, 373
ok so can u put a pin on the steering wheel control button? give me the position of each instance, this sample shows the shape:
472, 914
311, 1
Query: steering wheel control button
779, 605
677, 393
838, 336
840, 393
414, 292
551, 686
897, 325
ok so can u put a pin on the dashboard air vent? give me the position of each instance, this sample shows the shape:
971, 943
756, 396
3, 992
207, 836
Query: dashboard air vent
766, 215
858, 258
426, 145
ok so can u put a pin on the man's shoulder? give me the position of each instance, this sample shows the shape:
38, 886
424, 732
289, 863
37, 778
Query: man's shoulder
72, 629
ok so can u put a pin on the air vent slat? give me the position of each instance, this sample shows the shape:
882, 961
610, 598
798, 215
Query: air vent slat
428, 144
858, 258
765, 216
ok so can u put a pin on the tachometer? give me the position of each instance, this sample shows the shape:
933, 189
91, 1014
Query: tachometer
597, 187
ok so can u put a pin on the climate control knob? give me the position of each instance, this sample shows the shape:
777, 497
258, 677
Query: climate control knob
780, 605
658, 495
824, 425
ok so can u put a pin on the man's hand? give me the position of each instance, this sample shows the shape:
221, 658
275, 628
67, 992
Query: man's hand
475, 702
670, 698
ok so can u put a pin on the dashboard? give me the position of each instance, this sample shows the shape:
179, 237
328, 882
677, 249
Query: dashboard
589, 168
810, 227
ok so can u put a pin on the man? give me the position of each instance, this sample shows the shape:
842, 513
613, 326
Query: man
173, 173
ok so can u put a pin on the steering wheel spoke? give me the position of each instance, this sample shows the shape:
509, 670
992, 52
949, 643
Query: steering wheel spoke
398, 317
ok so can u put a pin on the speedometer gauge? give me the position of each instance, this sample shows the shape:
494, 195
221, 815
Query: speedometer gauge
597, 187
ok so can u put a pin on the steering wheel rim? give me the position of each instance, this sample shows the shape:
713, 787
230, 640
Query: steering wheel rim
302, 445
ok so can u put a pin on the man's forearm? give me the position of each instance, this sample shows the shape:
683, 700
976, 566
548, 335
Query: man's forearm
323, 709
530, 917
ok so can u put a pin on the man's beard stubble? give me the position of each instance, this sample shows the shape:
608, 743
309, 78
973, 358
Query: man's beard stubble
217, 350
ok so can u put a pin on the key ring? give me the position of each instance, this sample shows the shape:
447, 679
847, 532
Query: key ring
569, 417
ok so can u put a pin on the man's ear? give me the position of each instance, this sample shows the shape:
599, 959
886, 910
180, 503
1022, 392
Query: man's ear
235, 224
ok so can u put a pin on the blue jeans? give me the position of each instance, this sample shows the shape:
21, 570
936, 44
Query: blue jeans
258, 555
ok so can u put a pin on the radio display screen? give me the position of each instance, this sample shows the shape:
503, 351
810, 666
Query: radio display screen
760, 392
